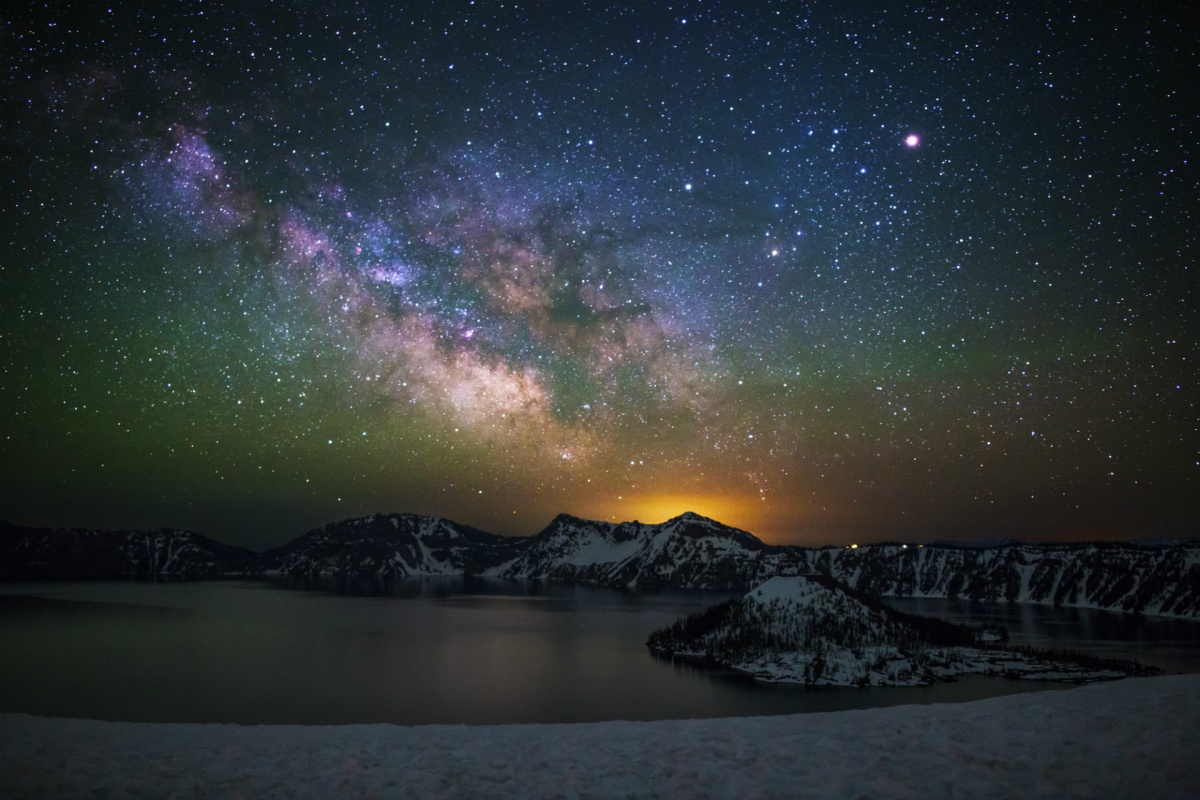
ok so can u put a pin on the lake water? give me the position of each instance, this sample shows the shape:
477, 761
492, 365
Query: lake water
1172, 645
444, 651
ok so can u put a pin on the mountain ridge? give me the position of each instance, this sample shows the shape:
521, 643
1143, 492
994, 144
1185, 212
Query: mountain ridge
688, 551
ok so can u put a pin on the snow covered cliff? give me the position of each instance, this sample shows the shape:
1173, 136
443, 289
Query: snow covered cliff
47, 554
388, 546
687, 552
1151, 579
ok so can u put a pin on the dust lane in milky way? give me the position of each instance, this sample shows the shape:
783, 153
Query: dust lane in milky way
827, 275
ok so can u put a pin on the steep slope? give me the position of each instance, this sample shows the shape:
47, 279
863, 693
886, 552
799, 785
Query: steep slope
391, 545
811, 630
1152, 579
687, 552
51, 554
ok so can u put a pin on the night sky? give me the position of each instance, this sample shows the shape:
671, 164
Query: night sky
827, 272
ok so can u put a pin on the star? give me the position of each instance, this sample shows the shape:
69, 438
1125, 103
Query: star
575, 243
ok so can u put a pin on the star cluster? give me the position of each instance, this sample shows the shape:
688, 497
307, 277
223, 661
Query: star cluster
824, 273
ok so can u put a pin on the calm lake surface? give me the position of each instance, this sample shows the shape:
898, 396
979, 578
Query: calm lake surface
442, 651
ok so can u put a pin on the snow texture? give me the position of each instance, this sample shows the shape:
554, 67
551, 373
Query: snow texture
809, 630
1136, 738
687, 552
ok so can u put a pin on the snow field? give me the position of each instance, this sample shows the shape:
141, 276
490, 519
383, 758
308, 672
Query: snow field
1131, 738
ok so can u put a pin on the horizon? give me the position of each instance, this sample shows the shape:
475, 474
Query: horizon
826, 275
261, 546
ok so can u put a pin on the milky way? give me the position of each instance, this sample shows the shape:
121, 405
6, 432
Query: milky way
829, 275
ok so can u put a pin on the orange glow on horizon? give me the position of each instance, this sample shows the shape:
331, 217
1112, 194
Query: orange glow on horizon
660, 508
745, 512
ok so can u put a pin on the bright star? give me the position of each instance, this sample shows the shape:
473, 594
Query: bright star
912, 140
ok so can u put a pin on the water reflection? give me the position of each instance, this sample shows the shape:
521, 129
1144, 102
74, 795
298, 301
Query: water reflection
1171, 644
423, 651
422, 586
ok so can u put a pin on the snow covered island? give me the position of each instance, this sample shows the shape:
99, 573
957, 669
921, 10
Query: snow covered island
818, 632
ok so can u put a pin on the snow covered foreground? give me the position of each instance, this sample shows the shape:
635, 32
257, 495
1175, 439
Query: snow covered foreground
1132, 738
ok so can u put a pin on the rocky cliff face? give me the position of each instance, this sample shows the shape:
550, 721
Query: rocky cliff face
1126, 577
692, 552
688, 552
388, 546
46, 554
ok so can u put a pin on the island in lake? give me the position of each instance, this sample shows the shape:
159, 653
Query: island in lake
816, 631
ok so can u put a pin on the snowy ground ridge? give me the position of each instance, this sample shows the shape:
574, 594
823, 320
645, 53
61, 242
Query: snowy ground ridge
1134, 738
